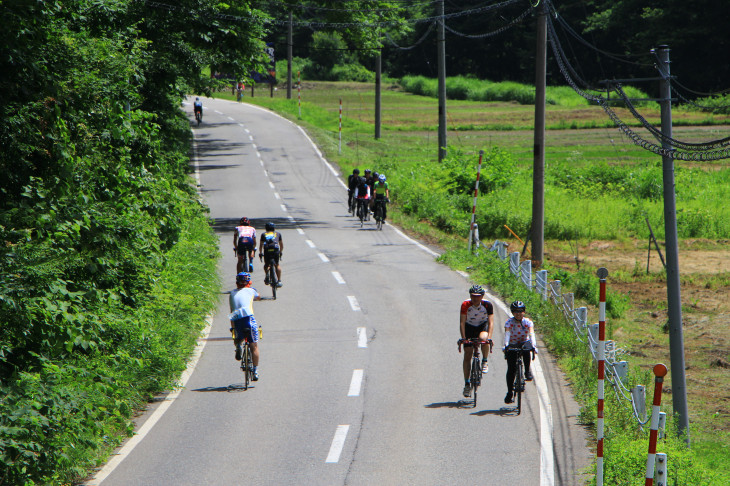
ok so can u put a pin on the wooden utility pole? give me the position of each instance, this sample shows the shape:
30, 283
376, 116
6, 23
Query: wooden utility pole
441, 54
378, 68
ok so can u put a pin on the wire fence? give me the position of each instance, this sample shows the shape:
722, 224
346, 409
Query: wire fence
616, 369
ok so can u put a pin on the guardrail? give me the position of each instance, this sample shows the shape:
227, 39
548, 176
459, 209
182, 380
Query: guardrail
616, 369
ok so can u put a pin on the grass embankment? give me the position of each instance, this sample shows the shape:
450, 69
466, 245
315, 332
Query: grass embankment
599, 186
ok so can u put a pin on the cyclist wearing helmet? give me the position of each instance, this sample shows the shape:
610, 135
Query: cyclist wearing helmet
476, 320
362, 194
381, 194
198, 107
352, 181
243, 323
271, 246
244, 240
517, 331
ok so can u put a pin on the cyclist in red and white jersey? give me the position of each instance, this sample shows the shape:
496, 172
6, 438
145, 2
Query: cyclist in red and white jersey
476, 320
244, 240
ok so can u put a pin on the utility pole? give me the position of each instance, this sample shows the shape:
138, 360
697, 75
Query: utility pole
538, 164
441, 54
378, 68
674, 300
288, 57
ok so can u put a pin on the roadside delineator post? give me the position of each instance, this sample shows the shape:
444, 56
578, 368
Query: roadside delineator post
660, 371
474, 206
602, 274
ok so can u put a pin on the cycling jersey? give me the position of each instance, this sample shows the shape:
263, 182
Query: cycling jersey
246, 237
362, 191
379, 189
516, 332
241, 302
477, 316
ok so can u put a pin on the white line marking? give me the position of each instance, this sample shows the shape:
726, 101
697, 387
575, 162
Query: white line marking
157, 414
547, 463
338, 277
310, 243
300, 231
323, 257
283, 208
250, 138
355, 384
231, 119
258, 154
240, 125
338, 442
261, 162
254, 146
271, 185
246, 130
219, 112
277, 196
362, 338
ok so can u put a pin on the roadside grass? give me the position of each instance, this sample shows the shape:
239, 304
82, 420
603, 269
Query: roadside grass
600, 186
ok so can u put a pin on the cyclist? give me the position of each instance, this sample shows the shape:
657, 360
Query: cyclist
352, 181
517, 331
198, 107
244, 240
381, 194
243, 323
271, 246
476, 320
369, 179
362, 194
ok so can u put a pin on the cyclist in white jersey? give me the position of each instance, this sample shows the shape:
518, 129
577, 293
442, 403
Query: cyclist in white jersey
476, 320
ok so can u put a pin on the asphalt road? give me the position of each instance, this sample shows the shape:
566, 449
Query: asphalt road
360, 375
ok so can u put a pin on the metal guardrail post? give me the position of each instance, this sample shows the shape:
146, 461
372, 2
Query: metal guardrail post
526, 273
514, 263
541, 284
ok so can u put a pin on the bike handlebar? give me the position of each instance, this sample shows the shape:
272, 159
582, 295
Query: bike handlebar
474, 342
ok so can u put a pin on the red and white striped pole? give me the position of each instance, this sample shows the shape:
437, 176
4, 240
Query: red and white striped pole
602, 274
476, 193
339, 150
660, 371
299, 92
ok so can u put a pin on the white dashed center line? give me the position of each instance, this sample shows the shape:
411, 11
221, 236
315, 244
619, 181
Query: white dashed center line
338, 277
323, 257
338, 442
355, 384
310, 243
362, 337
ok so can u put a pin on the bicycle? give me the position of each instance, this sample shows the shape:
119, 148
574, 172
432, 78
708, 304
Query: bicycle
273, 281
475, 376
362, 209
519, 383
246, 261
246, 361
198, 117
379, 213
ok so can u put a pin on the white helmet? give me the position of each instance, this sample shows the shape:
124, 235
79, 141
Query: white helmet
381, 178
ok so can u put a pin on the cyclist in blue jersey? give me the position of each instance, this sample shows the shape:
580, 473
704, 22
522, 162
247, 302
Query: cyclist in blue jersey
243, 323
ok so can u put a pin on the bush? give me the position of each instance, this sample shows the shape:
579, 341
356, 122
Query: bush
352, 72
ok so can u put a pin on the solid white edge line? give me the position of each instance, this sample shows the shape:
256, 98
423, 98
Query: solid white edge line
355, 384
338, 277
323, 257
157, 414
362, 337
338, 442
546, 421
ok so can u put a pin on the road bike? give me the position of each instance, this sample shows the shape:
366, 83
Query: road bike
475, 376
246, 360
519, 383
379, 213
198, 117
362, 210
246, 260
271, 274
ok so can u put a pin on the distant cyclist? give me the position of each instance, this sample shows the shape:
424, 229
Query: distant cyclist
362, 194
517, 331
271, 246
243, 323
352, 181
244, 240
198, 107
381, 194
476, 320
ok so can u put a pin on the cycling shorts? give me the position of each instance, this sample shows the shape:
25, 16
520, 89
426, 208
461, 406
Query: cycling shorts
243, 246
246, 328
472, 332
269, 254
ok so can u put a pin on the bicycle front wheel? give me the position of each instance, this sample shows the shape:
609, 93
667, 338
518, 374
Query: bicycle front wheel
475, 378
272, 278
519, 385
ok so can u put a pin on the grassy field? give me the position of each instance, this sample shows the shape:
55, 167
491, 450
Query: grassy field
599, 189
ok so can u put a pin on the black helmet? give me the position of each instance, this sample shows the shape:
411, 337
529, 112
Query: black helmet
517, 305
245, 221
367, 171
270, 226
356, 171
476, 289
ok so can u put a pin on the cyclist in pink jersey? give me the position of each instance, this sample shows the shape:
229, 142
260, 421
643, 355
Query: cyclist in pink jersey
244, 240
476, 320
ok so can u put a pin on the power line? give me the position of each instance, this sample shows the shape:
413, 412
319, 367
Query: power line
504, 28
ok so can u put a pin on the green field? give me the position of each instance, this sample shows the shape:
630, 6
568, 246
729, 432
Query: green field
600, 187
